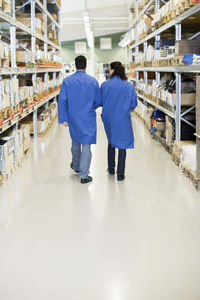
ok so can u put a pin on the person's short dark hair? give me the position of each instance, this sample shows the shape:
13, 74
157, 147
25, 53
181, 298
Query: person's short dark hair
119, 70
81, 62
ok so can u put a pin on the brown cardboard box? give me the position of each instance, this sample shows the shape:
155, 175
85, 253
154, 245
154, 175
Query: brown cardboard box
187, 47
24, 56
6, 6
27, 22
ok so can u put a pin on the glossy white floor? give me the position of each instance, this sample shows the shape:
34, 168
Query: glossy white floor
132, 240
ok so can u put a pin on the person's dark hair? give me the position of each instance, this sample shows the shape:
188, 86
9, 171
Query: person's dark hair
119, 70
81, 62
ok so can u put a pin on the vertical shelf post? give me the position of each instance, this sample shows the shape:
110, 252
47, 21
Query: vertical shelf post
178, 91
198, 126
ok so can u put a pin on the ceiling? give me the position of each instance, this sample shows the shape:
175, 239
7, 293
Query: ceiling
108, 17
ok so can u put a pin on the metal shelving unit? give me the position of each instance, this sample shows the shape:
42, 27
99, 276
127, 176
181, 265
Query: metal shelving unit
178, 70
14, 71
180, 112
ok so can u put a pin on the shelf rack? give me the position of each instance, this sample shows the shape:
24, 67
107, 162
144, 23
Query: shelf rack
177, 70
14, 71
178, 115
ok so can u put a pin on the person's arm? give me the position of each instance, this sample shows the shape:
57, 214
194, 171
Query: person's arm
134, 101
98, 101
63, 117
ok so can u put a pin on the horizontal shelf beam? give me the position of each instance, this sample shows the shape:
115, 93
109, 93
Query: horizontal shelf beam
24, 28
178, 69
167, 112
163, 28
18, 117
22, 71
41, 6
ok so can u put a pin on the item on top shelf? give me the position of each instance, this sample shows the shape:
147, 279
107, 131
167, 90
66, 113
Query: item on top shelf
144, 26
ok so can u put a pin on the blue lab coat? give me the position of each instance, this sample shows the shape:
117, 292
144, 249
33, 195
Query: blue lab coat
118, 98
78, 99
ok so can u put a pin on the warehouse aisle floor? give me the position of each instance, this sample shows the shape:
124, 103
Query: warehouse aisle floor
132, 240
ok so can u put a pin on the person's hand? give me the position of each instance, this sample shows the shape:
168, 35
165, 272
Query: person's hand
65, 124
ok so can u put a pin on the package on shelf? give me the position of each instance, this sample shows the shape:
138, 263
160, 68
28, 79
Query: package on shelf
14, 91
178, 146
5, 94
42, 19
4, 50
6, 155
52, 34
186, 99
39, 86
6, 6
23, 93
188, 157
18, 145
27, 22
42, 125
24, 56
167, 52
25, 128
163, 94
169, 133
54, 109
187, 47
39, 54
150, 53
144, 25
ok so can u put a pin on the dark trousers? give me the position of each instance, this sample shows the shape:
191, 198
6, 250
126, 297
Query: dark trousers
121, 159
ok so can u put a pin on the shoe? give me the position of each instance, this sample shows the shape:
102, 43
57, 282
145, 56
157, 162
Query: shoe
120, 177
86, 180
111, 171
71, 166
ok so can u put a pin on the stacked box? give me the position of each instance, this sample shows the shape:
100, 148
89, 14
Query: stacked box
27, 22
18, 146
14, 91
169, 133
4, 94
42, 19
24, 56
54, 110
6, 6
6, 155
25, 128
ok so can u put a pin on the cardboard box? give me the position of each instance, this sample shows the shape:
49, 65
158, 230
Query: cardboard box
6, 6
27, 22
169, 131
23, 56
6, 155
26, 136
187, 47
186, 99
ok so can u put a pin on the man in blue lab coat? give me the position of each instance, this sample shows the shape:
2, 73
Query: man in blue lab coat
78, 99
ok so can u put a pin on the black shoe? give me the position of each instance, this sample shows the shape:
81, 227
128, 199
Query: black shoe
120, 177
71, 166
86, 180
111, 171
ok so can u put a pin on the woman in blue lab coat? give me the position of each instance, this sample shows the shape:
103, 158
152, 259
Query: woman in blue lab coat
118, 98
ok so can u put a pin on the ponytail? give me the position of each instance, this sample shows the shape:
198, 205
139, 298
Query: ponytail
119, 70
